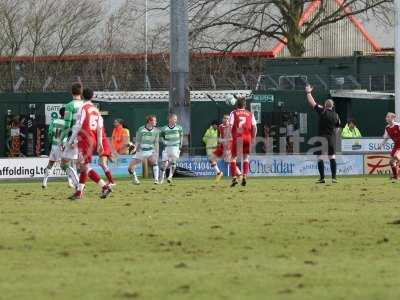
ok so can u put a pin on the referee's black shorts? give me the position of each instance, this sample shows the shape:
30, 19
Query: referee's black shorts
328, 147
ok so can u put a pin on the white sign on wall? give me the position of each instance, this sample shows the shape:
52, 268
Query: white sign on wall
365, 145
303, 123
256, 110
19, 168
302, 165
51, 112
34, 167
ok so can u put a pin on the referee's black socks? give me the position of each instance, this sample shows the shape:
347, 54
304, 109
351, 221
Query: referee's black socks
321, 169
333, 168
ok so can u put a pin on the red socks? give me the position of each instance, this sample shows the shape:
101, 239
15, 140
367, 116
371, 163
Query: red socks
246, 168
83, 178
94, 176
233, 169
109, 176
395, 173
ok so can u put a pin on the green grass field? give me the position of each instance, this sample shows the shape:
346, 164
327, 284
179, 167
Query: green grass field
276, 239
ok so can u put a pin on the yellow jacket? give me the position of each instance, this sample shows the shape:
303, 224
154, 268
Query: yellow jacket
348, 133
210, 138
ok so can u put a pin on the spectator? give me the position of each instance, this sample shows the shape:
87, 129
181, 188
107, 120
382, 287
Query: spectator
120, 138
16, 138
127, 132
210, 138
351, 131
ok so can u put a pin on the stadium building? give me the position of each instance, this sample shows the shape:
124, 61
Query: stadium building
349, 58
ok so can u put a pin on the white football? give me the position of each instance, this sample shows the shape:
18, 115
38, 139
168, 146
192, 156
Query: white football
230, 100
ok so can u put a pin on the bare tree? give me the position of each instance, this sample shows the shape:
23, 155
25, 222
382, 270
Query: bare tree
117, 35
382, 16
12, 36
252, 22
41, 25
77, 24
12, 26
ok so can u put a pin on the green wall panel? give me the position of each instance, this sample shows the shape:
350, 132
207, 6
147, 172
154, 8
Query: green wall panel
369, 113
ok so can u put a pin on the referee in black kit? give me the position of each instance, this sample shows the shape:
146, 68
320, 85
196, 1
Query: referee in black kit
329, 123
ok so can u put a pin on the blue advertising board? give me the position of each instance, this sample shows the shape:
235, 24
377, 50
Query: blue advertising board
201, 166
119, 167
261, 166
303, 165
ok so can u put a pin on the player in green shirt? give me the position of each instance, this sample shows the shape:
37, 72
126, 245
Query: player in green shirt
172, 139
71, 110
56, 136
70, 152
147, 145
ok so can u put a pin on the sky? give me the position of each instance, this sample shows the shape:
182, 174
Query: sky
384, 35
115, 3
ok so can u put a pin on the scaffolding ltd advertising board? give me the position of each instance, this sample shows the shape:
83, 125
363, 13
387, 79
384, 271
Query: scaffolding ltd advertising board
34, 168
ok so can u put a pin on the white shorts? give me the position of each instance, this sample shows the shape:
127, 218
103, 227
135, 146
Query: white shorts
55, 153
142, 155
70, 153
171, 154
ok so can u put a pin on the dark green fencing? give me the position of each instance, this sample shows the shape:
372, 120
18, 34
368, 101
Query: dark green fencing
369, 113
276, 107
25, 104
373, 73
133, 113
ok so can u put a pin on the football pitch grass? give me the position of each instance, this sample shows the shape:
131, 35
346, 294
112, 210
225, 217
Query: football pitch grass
275, 239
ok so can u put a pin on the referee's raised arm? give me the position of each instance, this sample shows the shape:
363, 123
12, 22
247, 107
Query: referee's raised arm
310, 97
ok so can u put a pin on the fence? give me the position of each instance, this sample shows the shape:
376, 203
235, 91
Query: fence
370, 82
127, 74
